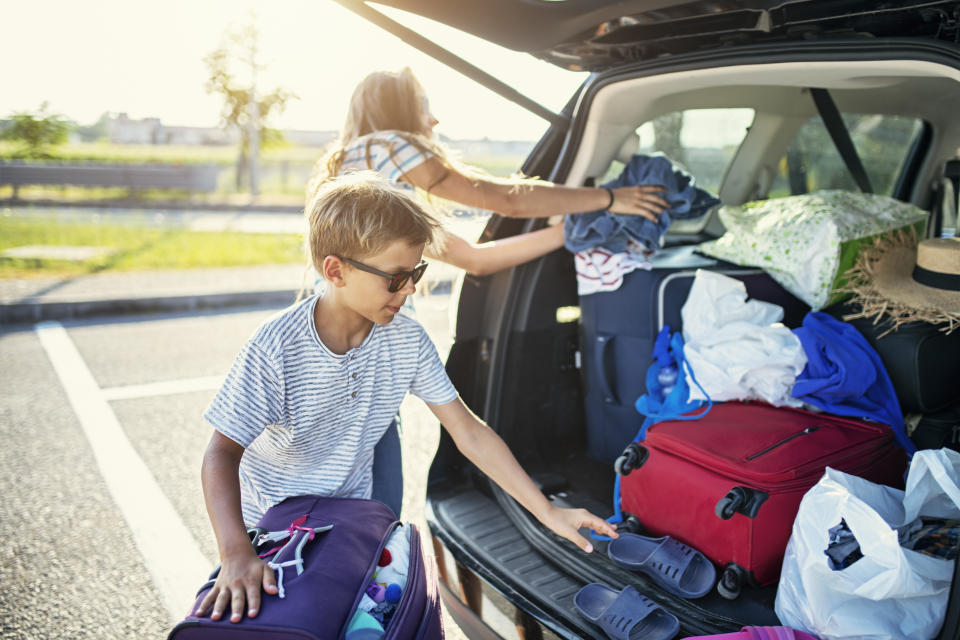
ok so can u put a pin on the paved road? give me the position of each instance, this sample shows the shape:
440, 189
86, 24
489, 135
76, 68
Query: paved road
101, 510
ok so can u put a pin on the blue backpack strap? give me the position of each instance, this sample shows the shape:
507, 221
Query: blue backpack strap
652, 404
667, 350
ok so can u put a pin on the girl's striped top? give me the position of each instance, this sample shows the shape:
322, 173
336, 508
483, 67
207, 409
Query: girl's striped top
390, 155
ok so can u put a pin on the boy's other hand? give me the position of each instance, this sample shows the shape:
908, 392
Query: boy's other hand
239, 583
567, 522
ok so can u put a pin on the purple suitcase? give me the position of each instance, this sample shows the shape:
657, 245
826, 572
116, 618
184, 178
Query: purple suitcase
338, 564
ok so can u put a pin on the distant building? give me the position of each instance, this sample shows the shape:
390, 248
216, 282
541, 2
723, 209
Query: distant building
198, 136
124, 130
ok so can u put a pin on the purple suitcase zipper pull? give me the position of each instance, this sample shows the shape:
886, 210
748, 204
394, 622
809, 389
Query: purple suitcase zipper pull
290, 534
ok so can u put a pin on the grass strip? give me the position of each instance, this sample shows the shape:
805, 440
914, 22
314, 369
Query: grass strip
139, 249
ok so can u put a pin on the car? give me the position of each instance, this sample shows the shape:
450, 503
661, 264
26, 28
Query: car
727, 88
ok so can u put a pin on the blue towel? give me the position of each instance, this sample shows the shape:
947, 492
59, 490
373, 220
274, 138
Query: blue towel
612, 231
845, 376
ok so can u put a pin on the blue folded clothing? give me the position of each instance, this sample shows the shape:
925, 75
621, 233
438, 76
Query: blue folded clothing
845, 376
613, 231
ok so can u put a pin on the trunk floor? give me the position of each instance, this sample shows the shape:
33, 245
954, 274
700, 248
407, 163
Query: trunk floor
479, 525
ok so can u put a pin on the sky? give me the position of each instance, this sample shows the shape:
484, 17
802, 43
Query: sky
146, 59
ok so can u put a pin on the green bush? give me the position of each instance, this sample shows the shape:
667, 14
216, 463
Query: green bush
36, 134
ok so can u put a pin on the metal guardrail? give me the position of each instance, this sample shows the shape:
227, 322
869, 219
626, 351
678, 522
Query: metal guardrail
192, 177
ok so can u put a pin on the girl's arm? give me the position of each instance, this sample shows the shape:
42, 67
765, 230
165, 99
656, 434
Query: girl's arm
484, 448
488, 257
531, 198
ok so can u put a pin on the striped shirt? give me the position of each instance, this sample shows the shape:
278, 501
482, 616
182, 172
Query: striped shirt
309, 418
390, 154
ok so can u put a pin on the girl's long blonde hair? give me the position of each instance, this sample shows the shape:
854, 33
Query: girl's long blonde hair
384, 101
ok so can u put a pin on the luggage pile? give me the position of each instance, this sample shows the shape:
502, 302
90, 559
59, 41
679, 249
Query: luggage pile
742, 463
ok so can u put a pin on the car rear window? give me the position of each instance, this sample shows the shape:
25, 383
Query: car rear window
703, 141
812, 161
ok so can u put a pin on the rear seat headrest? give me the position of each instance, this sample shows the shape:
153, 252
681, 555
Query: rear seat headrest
629, 147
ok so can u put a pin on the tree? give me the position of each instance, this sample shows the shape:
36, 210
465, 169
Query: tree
37, 133
99, 130
248, 116
666, 134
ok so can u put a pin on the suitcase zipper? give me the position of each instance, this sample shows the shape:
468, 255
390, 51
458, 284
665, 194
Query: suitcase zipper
782, 442
413, 575
863, 453
432, 606
726, 468
369, 575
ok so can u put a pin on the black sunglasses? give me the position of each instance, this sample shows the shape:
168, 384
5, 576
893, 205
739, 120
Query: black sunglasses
397, 280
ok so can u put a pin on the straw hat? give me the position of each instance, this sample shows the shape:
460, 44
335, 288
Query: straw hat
907, 281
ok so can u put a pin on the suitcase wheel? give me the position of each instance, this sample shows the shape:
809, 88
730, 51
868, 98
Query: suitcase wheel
731, 581
632, 458
631, 524
740, 500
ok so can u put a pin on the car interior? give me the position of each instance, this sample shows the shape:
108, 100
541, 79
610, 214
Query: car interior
745, 133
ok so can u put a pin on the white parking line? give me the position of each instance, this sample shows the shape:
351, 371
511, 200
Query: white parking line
169, 387
169, 550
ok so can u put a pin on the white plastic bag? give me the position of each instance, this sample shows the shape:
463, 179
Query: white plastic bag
737, 348
891, 593
807, 242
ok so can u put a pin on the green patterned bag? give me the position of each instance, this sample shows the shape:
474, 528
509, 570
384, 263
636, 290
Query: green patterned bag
808, 242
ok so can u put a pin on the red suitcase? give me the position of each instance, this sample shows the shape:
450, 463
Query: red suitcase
730, 483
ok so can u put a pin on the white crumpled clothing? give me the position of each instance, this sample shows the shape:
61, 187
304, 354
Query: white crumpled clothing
737, 348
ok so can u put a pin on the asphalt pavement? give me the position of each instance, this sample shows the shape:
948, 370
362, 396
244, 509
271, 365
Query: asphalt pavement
105, 531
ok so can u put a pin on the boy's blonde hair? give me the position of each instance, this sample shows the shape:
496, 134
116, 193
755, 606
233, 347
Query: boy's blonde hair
360, 213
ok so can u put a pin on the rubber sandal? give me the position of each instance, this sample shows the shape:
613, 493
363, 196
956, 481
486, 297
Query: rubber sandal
625, 615
679, 569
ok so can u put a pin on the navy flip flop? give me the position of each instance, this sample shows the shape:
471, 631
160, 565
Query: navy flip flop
625, 615
679, 569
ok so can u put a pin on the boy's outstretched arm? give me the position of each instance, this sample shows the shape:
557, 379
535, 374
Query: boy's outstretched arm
482, 446
241, 572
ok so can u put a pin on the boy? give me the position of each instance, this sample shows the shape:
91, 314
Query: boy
316, 386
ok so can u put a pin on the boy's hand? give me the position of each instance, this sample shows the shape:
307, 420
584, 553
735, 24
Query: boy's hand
566, 522
239, 581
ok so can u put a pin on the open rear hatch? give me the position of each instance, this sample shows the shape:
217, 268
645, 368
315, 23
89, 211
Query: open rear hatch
593, 35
